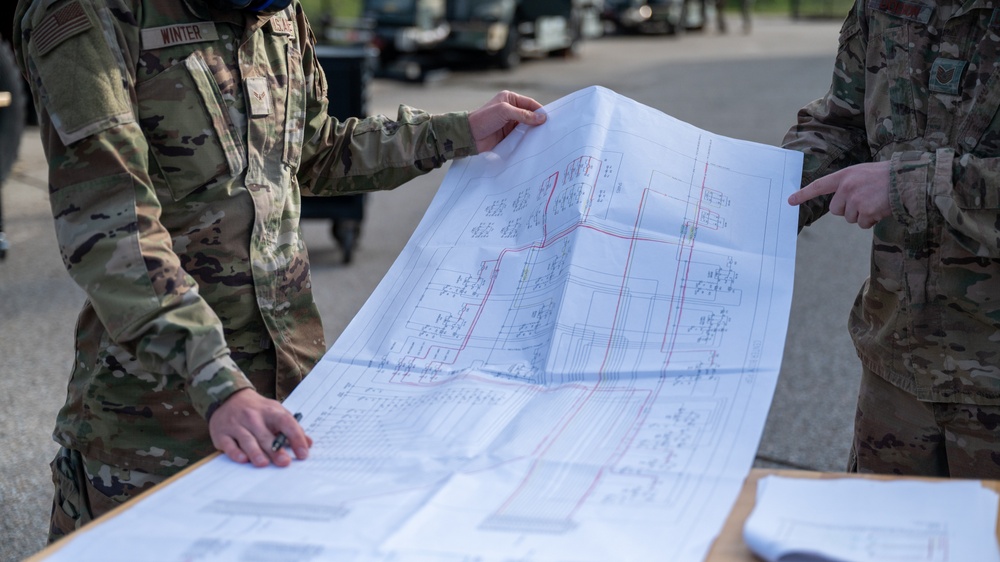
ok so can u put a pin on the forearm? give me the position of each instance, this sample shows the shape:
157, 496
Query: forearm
379, 153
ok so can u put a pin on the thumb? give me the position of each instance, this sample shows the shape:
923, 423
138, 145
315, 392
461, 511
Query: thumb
529, 117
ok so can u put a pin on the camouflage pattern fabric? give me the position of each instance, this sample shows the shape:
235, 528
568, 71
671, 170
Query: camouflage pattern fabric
85, 490
179, 139
895, 434
916, 84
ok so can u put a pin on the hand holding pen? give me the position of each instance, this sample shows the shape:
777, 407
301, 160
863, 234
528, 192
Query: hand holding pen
247, 428
280, 440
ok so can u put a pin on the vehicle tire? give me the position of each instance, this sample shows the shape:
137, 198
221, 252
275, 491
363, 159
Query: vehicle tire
509, 57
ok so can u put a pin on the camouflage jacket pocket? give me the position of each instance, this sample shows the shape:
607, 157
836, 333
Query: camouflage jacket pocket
969, 206
295, 108
889, 99
190, 135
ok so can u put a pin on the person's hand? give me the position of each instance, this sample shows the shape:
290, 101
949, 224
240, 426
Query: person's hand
498, 117
860, 193
245, 425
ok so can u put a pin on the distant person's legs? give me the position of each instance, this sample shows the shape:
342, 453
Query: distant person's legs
746, 11
720, 16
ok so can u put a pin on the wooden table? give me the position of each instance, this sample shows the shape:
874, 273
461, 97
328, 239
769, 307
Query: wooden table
729, 547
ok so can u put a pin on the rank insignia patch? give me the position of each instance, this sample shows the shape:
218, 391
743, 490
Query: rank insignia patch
260, 97
946, 76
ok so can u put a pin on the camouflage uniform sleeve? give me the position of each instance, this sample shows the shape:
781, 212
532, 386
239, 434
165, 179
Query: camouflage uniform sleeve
374, 153
105, 208
830, 131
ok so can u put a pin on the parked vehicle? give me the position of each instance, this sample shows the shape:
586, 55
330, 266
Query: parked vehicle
505, 31
417, 35
645, 16
407, 34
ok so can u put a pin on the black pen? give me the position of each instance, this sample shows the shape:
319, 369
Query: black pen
279, 440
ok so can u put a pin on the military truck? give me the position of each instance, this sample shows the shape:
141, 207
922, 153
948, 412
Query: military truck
505, 31
407, 34
416, 35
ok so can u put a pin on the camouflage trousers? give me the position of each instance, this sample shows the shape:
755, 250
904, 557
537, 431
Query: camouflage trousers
894, 433
86, 489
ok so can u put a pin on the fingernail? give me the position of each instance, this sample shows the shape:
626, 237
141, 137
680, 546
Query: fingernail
301, 453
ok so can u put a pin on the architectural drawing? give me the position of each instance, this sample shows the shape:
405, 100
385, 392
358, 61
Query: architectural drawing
572, 359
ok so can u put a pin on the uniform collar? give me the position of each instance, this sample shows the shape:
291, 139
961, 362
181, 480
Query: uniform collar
203, 11
970, 5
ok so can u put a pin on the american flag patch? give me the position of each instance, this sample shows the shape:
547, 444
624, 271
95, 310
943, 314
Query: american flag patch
59, 26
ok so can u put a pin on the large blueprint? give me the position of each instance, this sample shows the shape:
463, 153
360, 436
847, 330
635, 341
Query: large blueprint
571, 360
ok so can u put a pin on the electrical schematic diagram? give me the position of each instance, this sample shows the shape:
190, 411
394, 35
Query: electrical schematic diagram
624, 302
574, 354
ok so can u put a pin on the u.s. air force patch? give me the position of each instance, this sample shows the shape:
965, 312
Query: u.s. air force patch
60, 25
280, 25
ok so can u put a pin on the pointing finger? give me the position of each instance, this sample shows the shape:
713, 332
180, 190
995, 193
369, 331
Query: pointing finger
822, 186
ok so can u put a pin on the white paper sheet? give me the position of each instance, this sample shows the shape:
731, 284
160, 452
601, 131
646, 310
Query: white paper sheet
572, 359
859, 520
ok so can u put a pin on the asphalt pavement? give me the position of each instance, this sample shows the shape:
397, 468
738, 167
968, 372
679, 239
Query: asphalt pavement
745, 86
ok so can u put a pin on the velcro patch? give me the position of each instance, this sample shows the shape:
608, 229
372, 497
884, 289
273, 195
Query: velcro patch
60, 25
178, 34
260, 96
946, 76
280, 25
906, 9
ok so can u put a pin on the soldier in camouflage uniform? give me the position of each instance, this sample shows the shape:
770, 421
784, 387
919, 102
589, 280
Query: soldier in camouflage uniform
179, 136
907, 141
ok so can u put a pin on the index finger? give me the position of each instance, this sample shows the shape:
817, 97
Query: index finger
523, 102
822, 186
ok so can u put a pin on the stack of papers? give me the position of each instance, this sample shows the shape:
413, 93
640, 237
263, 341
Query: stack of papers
860, 520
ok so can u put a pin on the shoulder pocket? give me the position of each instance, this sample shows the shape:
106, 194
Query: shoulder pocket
77, 74
191, 137
897, 80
